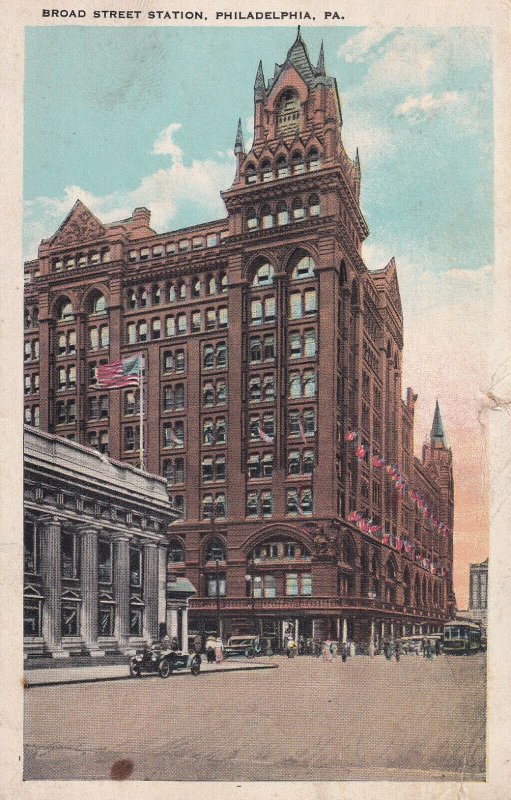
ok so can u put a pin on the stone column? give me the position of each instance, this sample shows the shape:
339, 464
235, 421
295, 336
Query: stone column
392, 630
122, 589
172, 626
184, 628
52, 587
296, 630
151, 590
344, 630
89, 581
162, 585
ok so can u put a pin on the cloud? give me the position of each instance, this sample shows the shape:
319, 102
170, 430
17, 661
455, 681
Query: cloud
358, 45
415, 108
193, 188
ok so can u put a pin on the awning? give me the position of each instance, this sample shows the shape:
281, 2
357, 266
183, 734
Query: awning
180, 588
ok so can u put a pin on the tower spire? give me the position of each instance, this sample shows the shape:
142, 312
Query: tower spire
437, 429
239, 145
259, 81
320, 66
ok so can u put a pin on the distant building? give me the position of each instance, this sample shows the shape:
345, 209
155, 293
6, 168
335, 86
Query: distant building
478, 592
95, 552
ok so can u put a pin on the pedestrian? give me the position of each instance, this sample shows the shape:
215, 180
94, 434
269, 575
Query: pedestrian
387, 649
429, 649
197, 644
424, 646
344, 652
371, 648
351, 649
398, 649
210, 649
438, 647
174, 644
325, 649
219, 651
334, 650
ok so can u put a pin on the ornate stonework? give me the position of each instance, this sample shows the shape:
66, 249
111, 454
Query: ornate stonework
79, 226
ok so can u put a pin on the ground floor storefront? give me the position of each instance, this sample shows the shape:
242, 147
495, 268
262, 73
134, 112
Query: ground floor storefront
308, 627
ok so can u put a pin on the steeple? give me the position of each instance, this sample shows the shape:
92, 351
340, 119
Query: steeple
259, 81
320, 66
437, 430
239, 146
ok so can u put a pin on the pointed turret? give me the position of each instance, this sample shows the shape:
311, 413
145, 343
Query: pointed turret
320, 66
239, 146
437, 430
259, 81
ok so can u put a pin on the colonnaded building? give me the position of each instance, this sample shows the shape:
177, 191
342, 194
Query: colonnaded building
268, 345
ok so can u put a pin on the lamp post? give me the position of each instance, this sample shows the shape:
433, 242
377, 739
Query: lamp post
217, 575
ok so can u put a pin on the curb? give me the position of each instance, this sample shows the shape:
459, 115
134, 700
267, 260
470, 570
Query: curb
84, 679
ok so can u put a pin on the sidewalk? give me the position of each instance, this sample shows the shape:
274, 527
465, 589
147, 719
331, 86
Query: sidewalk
114, 672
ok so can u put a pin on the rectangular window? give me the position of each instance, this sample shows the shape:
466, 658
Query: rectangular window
256, 312
135, 567
306, 584
310, 301
291, 584
105, 562
295, 305
269, 309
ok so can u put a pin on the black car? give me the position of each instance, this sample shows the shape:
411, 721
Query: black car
164, 661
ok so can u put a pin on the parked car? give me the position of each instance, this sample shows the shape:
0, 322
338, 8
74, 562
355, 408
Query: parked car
161, 659
248, 646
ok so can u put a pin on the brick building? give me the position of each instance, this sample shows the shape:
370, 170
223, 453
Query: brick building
265, 340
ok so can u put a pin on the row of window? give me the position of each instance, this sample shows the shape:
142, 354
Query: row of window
282, 168
301, 304
282, 214
30, 317
183, 246
260, 503
196, 322
81, 260
31, 350
96, 305
258, 466
31, 383
208, 285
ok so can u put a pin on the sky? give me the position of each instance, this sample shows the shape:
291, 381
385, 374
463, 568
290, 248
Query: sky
127, 117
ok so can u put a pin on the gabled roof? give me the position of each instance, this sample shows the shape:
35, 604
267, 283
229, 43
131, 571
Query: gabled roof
298, 57
389, 275
79, 225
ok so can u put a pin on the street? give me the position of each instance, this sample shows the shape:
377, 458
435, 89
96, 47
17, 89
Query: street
306, 720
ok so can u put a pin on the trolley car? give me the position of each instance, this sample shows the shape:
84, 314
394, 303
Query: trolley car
462, 637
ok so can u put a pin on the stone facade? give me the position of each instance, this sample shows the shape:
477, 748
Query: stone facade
265, 339
95, 551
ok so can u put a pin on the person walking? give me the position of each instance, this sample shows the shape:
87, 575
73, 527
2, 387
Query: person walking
371, 648
351, 649
219, 651
438, 647
387, 649
344, 652
398, 649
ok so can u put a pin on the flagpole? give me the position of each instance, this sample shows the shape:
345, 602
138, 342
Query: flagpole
141, 412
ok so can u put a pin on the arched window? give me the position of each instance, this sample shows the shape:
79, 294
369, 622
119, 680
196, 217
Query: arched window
263, 275
266, 217
266, 171
298, 210
282, 167
313, 159
215, 551
196, 288
304, 269
314, 207
252, 220
282, 214
288, 113
223, 283
250, 172
297, 163
156, 295
211, 284
176, 552
65, 309
390, 570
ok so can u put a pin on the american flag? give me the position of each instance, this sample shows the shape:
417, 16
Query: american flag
118, 374
264, 436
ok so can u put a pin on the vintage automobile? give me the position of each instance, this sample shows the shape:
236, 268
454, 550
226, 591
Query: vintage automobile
248, 646
161, 659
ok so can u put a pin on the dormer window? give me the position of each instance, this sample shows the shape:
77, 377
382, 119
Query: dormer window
266, 171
